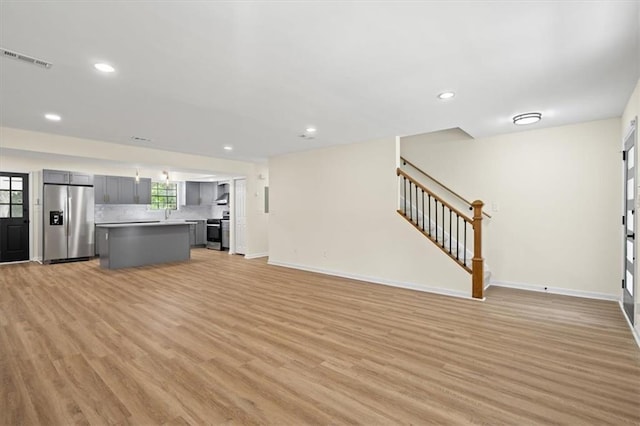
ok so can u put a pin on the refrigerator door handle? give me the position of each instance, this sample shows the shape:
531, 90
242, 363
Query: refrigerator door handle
69, 204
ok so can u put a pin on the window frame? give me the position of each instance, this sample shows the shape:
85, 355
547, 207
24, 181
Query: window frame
166, 200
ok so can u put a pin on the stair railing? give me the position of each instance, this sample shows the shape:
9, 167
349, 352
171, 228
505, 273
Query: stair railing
454, 193
433, 216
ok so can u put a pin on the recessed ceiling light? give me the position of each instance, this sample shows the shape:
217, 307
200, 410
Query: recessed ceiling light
53, 117
527, 118
104, 67
228, 148
446, 95
311, 129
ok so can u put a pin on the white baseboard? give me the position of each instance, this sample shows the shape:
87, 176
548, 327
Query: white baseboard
634, 332
375, 280
256, 255
555, 290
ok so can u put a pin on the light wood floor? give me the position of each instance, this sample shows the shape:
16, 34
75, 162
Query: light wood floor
224, 340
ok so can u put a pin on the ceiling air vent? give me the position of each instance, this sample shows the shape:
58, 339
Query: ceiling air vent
24, 58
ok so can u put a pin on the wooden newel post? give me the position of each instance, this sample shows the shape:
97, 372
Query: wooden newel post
477, 263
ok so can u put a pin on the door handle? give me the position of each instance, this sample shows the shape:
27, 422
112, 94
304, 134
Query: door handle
631, 235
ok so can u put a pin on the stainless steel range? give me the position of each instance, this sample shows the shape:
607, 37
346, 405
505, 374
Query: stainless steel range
214, 234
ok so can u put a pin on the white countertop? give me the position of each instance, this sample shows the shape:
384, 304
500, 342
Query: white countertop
138, 222
145, 224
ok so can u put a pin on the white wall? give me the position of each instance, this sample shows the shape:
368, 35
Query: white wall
558, 195
334, 210
257, 219
26, 151
631, 112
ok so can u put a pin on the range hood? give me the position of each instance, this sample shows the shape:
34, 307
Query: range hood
223, 199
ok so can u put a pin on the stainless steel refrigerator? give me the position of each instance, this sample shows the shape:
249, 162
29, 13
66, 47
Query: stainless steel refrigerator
68, 209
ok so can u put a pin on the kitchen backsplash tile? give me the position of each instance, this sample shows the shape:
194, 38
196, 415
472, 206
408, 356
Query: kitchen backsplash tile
132, 212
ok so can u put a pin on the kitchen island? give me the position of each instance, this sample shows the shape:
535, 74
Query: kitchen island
124, 245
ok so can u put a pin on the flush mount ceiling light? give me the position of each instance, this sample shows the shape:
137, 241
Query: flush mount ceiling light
527, 118
309, 133
227, 148
104, 67
52, 117
446, 95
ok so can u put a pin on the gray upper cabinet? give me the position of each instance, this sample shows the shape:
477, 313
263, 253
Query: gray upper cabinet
66, 178
106, 189
99, 189
55, 176
200, 193
143, 191
121, 190
207, 193
126, 190
192, 193
80, 179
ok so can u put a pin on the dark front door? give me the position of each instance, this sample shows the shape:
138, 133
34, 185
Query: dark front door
14, 217
628, 278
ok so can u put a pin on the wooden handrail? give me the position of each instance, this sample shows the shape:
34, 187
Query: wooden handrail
469, 203
477, 261
401, 172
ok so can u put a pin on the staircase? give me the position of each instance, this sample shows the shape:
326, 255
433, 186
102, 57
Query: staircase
457, 234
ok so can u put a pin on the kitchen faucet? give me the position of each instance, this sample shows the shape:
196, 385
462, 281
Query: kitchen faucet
167, 213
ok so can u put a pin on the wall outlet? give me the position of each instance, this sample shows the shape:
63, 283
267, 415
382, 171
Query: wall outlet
495, 206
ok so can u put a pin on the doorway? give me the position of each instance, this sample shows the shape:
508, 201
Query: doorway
14, 217
628, 221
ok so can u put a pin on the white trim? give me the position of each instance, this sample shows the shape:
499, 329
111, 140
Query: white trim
556, 290
375, 280
636, 336
256, 255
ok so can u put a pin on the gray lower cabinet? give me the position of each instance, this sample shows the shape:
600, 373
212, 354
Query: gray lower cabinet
192, 234
131, 244
201, 233
197, 233
99, 237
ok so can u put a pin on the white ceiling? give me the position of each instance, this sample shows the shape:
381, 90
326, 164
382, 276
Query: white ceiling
194, 76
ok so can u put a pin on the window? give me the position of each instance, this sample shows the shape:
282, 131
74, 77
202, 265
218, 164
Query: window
164, 196
11, 197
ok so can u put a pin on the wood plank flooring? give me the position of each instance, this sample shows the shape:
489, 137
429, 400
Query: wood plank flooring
224, 340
